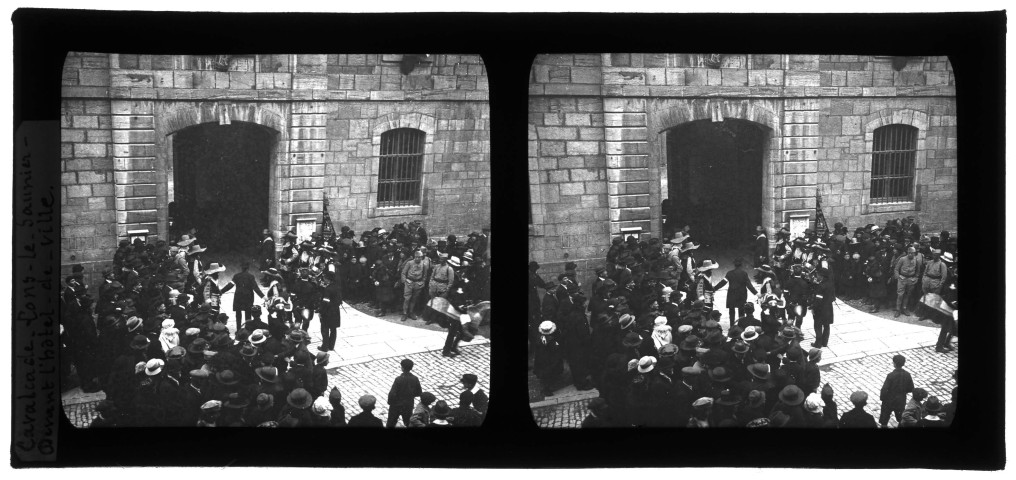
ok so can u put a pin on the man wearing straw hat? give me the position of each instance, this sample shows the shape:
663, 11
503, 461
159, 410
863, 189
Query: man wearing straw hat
194, 275
703, 287
210, 288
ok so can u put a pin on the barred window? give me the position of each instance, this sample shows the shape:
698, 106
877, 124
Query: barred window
400, 168
892, 164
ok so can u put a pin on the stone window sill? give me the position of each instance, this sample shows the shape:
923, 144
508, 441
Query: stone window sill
891, 207
397, 211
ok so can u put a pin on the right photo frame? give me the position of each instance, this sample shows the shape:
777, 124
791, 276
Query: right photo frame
742, 240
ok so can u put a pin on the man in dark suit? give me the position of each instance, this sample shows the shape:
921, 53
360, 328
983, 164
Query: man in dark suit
402, 396
267, 250
737, 294
243, 298
823, 313
331, 314
761, 247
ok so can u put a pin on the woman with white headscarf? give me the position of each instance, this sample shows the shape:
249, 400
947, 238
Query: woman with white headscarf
662, 334
170, 335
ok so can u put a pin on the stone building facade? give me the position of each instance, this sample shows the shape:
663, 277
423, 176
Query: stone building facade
599, 125
323, 117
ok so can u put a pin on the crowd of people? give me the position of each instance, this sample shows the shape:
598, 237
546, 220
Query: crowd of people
156, 340
649, 337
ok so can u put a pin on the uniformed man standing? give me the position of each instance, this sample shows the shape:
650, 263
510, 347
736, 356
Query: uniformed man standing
935, 273
266, 253
823, 308
441, 277
413, 274
905, 271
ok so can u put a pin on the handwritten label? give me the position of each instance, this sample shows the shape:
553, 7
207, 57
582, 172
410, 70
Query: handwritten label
36, 381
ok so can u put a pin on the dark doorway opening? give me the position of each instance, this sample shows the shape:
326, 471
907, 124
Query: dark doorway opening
221, 182
715, 180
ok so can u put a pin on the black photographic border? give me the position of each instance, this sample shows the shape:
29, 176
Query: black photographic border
508, 43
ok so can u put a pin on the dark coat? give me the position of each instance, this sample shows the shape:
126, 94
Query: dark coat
823, 307
549, 359
385, 288
304, 294
480, 401
857, 418
365, 419
405, 389
267, 252
897, 385
246, 287
737, 294
331, 310
319, 381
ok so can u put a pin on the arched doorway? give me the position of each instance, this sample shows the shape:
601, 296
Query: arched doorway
715, 174
221, 183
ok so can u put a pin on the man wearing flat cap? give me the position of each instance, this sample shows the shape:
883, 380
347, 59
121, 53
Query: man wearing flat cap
857, 417
366, 418
402, 395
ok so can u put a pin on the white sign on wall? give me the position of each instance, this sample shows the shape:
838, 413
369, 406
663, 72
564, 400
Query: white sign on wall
798, 225
305, 228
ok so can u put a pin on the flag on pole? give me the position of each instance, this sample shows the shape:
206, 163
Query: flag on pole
327, 230
820, 222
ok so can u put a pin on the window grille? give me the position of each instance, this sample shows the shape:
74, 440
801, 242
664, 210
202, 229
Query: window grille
892, 164
400, 168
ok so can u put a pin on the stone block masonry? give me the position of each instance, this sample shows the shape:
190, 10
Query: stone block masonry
119, 112
598, 123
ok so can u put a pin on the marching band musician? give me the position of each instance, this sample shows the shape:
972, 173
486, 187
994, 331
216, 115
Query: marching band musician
783, 255
457, 297
305, 298
272, 282
797, 291
331, 315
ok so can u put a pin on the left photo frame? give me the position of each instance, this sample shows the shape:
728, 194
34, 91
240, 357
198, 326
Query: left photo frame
274, 240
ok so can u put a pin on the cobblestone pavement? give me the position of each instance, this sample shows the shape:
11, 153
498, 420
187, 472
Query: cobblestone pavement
437, 374
932, 371
366, 359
